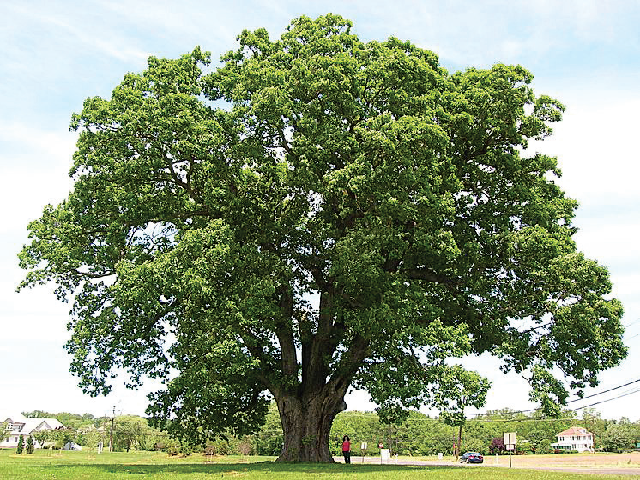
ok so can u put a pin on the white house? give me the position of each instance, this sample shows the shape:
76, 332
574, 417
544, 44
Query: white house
20, 426
576, 438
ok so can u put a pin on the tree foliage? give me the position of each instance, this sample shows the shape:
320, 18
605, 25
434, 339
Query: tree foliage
4, 431
42, 437
30, 445
70, 420
497, 445
132, 431
620, 436
318, 213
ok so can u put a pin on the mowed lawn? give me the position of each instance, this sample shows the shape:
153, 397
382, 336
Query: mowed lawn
44, 465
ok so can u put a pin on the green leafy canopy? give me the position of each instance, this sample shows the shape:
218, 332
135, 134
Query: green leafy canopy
319, 212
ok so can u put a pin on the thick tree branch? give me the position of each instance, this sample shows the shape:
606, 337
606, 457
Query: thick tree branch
428, 275
284, 332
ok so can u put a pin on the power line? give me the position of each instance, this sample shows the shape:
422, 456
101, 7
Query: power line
580, 399
530, 419
609, 399
605, 391
571, 410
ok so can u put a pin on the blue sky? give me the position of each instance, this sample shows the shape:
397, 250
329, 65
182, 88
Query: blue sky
56, 54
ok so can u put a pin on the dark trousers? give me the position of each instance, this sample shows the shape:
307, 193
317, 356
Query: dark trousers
347, 457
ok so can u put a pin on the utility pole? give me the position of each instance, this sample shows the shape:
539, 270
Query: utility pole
113, 418
463, 402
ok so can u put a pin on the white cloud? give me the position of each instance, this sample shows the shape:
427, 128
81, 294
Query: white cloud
52, 392
58, 144
627, 285
359, 400
32, 314
38, 161
595, 146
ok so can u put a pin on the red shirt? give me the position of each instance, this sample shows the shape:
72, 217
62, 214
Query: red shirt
346, 446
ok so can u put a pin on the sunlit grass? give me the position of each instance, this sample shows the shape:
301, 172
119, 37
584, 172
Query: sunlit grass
46, 464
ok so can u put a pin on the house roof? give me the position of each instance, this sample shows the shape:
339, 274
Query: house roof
43, 424
15, 419
28, 425
575, 431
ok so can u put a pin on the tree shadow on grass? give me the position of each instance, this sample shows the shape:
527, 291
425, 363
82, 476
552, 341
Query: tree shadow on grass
261, 468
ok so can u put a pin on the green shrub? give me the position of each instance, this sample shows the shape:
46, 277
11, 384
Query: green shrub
245, 447
218, 446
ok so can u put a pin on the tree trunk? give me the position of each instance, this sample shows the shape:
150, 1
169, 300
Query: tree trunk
306, 423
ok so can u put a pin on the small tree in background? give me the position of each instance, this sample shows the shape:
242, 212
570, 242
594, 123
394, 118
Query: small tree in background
619, 436
4, 431
42, 437
497, 445
92, 437
20, 445
131, 432
30, 446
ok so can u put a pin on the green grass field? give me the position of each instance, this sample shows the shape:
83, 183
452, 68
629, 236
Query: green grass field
45, 465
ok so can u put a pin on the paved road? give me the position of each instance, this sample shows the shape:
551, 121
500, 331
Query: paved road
603, 470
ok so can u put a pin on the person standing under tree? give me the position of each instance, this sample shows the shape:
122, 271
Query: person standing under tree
346, 449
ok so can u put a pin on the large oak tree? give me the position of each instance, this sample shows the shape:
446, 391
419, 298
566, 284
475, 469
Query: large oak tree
320, 213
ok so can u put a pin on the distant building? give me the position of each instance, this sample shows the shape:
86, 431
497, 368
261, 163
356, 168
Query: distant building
575, 438
20, 426
71, 446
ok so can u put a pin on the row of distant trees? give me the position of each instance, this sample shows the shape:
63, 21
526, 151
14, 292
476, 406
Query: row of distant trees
418, 435
129, 432
423, 435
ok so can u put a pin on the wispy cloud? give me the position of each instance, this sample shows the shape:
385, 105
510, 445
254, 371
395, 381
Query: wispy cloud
71, 29
23, 146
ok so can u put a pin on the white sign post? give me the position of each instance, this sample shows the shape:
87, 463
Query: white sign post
510, 444
384, 455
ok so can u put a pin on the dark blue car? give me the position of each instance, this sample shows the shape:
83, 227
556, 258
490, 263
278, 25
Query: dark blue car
472, 457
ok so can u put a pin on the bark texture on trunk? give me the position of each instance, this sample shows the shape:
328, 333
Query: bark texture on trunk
306, 423
309, 403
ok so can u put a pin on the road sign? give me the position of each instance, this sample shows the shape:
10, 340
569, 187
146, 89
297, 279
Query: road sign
510, 439
384, 455
510, 443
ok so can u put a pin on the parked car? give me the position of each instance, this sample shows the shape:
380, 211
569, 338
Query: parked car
472, 457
